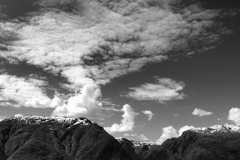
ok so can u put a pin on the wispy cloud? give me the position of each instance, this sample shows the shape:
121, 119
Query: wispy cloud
142, 136
234, 115
91, 42
130, 135
200, 112
165, 89
149, 114
127, 123
17, 92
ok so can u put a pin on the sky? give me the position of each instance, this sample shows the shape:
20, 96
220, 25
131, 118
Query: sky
146, 70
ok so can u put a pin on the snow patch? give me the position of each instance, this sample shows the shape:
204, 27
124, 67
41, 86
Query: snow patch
37, 119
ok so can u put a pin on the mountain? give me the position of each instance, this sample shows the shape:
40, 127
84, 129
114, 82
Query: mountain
220, 142
59, 138
62, 138
136, 149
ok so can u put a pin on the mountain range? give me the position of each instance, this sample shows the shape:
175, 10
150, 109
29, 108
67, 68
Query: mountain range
62, 138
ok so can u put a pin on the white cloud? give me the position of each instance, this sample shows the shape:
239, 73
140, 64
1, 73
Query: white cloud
95, 41
149, 114
234, 115
200, 112
81, 104
143, 137
176, 115
165, 90
130, 135
127, 123
184, 128
168, 132
23, 92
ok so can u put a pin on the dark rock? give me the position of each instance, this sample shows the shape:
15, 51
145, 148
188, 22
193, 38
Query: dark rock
129, 147
42, 138
192, 145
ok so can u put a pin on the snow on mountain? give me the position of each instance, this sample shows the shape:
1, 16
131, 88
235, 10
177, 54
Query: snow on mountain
37, 119
136, 143
217, 129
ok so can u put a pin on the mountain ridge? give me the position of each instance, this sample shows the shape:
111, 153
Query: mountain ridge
62, 138
58, 138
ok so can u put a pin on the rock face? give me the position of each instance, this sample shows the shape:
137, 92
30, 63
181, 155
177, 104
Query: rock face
221, 142
130, 148
43, 138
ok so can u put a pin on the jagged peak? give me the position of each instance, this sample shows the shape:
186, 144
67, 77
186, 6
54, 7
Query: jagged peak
38, 119
226, 128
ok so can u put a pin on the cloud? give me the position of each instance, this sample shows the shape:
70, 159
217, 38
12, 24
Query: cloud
92, 42
219, 119
81, 104
234, 115
127, 123
17, 92
165, 90
184, 128
130, 135
2, 118
200, 112
149, 114
143, 137
170, 132
176, 115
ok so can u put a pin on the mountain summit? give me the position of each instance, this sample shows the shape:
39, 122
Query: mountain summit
57, 138
226, 128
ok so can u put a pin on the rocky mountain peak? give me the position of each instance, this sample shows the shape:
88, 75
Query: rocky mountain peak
56, 138
38, 119
226, 128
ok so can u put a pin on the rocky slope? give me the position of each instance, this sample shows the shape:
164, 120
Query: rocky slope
60, 138
136, 149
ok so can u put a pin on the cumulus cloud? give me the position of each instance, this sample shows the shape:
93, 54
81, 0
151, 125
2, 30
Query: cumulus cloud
91, 42
149, 114
165, 90
184, 128
127, 123
143, 137
200, 112
82, 104
170, 132
234, 115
